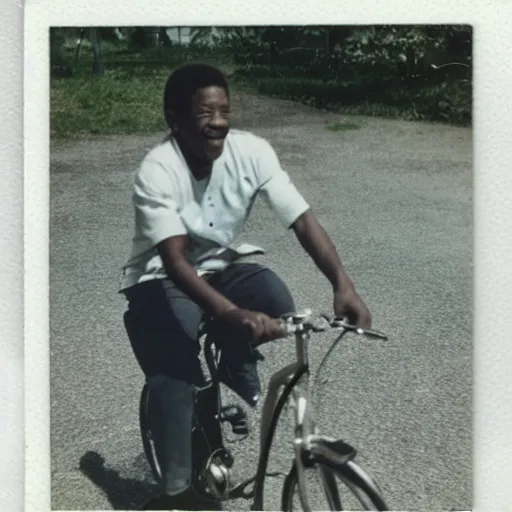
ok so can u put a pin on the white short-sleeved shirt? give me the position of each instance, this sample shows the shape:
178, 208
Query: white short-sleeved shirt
169, 202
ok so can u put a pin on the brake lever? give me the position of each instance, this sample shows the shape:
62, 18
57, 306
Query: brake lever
358, 330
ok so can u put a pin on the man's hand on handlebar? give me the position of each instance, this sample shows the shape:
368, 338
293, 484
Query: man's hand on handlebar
261, 327
349, 305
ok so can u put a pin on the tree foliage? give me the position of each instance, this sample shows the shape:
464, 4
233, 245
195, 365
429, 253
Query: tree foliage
425, 66
424, 70
327, 51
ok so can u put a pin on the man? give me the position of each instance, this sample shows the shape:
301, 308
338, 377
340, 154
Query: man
192, 195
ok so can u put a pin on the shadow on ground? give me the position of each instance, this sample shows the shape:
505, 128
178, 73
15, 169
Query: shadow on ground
122, 493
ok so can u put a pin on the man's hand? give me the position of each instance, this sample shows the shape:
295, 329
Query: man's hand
349, 305
260, 327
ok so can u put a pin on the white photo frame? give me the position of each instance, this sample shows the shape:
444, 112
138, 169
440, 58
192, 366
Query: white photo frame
493, 135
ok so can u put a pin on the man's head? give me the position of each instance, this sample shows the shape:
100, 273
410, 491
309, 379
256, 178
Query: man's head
196, 109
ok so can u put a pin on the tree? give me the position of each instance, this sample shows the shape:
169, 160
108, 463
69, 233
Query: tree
145, 37
97, 63
163, 37
59, 63
202, 36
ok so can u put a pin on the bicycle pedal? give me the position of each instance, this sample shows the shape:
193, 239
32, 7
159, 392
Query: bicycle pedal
236, 417
241, 429
232, 413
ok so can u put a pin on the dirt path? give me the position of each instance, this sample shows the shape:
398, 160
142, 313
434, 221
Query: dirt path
395, 196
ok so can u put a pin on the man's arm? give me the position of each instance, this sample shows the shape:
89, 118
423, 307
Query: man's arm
172, 250
319, 246
293, 211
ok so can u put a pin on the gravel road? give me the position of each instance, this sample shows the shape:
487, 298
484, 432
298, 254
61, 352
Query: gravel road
395, 196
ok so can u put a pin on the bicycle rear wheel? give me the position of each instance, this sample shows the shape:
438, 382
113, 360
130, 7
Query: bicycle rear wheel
336, 487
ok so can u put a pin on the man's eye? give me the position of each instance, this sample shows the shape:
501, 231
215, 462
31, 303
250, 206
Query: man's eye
209, 113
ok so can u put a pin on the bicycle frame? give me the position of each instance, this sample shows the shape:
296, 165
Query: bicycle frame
305, 431
281, 378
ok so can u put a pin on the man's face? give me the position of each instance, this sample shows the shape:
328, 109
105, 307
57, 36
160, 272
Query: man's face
204, 130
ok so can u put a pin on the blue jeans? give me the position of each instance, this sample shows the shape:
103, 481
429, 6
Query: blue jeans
163, 333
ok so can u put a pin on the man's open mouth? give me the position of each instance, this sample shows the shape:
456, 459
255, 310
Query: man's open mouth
217, 135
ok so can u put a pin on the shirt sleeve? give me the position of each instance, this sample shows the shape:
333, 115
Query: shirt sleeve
156, 211
276, 187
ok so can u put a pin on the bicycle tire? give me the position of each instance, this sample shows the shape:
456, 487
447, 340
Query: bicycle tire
147, 440
351, 475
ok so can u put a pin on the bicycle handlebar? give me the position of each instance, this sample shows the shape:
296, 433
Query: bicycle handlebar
300, 324
303, 322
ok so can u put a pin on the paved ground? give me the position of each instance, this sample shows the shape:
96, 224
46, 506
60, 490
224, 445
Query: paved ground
396, 198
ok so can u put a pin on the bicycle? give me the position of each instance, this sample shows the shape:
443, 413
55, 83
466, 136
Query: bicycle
329, 458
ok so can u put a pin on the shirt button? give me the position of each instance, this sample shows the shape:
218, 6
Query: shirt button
211, 224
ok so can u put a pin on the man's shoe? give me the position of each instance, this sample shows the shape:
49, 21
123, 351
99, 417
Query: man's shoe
242, 377
159, 503
187, 500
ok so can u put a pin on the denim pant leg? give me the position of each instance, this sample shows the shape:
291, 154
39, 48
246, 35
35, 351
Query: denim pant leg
163, 330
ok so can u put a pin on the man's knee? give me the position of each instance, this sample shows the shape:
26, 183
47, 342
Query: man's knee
275, 295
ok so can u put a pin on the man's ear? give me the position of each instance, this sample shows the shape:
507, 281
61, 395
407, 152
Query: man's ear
172, 121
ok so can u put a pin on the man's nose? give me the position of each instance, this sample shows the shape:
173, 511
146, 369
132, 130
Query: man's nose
219, 120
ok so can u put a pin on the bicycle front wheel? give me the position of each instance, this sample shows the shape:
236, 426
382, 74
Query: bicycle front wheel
337, 487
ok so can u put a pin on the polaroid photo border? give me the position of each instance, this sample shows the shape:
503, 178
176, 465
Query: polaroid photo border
492, 112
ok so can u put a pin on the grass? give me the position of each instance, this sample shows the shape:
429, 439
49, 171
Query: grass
127, 99
341, 127
112, 104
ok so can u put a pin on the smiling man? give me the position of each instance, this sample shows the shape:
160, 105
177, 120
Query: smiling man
192, 195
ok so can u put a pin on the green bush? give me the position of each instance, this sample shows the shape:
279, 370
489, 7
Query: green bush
448, 102
373, 68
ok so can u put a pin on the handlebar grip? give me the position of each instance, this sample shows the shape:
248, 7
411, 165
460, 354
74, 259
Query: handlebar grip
290, 325
375, 334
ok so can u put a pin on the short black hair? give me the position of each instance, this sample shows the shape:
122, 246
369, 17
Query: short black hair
185, 81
